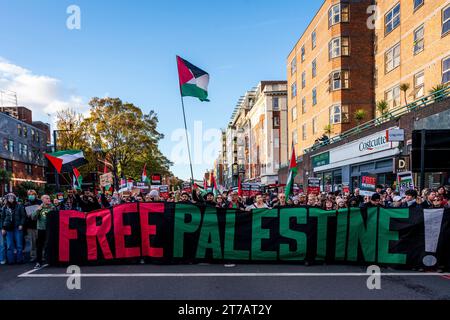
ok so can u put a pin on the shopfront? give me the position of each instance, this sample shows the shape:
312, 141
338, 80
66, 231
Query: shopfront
344, 165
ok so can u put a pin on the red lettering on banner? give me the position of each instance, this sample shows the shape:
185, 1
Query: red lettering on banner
148, 230
66, 234
94, 233
121, 230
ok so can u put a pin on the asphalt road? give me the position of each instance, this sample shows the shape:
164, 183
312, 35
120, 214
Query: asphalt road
215, 282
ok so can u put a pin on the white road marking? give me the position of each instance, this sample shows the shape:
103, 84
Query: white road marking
23, 275
205, 275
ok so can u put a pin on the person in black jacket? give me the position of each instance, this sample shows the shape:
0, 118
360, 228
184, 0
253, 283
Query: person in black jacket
30, 224
88, 202
12, 222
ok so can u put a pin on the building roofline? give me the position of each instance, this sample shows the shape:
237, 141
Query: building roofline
304, 31
23, 122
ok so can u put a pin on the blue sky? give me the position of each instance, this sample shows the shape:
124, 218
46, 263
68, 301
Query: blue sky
127, 49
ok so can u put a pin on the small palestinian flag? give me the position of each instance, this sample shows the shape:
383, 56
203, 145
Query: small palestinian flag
64, 161
144, 178
215, 191
292, 174
193, 81
77, 179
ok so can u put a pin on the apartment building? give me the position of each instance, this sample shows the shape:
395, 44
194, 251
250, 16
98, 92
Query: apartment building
412, 47
22, 147
330, 74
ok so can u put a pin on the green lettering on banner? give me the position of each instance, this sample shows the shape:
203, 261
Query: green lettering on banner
360, 233
258, 234
209, 235
341, 234
385, 235
300, 215
322, 230
229, 252
182, 227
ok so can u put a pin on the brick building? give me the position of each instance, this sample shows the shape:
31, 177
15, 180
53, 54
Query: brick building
22, 147
412, 46
330, 73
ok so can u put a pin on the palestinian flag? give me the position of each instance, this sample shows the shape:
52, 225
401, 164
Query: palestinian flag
64, 161
144, 177
77, 179
193, 81
240, 191
292, 174
215, 191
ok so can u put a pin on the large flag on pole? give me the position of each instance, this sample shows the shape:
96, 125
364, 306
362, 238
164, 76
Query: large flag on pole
193, 80
240, 192
292, 174
77, 179
64, 161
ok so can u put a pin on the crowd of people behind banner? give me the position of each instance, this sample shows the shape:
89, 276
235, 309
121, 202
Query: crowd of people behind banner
23, 222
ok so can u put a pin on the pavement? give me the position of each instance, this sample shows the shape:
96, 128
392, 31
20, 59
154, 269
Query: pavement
217, 282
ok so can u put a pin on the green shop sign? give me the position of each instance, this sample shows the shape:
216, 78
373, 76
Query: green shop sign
320, 160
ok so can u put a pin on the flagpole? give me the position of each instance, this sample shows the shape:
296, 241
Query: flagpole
186, 131
187, 137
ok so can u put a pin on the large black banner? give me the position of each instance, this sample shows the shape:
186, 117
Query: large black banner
183, 233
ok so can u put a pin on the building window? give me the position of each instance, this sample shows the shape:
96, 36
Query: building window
339, 80
419, 42
392, 19
295, 137
418, 4
314, 96
303, 79
276, 122
419, 85
304, 105
445, 20
314, 39
11, 146
8, 165
392, 58
392, 96
338, 47
314, 125
446, 70
294, 66
294, 90
339, 114
276, 103
19, 129
303, 53
25, 131
294, 113
338, 13
314, 68
304, 132
29, 169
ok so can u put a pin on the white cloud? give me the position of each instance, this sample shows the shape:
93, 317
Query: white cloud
42, 94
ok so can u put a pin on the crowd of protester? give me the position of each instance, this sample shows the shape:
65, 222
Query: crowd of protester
20, 228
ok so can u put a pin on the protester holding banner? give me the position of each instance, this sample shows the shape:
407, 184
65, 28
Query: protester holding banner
259, 204
40, 216
31, 205
235, 203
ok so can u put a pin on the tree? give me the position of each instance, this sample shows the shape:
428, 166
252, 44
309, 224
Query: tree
5, 179
359, 116
437, 92
126, 135
327, 130
382, 107
405, 87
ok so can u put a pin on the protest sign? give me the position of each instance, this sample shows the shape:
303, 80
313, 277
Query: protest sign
314, 185
106, 180
405, 182
368, 184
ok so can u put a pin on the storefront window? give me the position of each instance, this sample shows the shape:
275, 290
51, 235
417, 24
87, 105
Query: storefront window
328, 182
337, 180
